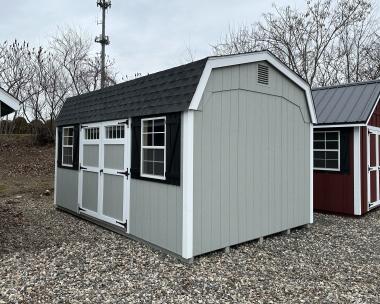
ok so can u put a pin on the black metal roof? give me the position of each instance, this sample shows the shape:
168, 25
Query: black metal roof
163, 92
348, 103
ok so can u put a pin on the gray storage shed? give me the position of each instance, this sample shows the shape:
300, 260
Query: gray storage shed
192, 159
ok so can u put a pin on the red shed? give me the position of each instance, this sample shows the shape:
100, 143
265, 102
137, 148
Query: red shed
347, 148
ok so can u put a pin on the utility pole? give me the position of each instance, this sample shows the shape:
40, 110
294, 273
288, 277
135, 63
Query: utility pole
103, 40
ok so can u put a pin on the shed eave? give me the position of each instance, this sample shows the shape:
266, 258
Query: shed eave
9, 100
225, 61
340, 125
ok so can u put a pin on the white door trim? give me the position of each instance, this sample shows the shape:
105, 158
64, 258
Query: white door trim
376, 132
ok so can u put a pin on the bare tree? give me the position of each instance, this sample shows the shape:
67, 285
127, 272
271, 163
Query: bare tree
42, 79
310, 41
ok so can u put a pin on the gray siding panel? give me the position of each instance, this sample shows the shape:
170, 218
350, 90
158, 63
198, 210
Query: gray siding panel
156, 214
67, 189
251, 159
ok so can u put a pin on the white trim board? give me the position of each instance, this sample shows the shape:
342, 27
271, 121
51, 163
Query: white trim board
311, 219
226, 61
9, 100
357, 173
188, 184
339, 126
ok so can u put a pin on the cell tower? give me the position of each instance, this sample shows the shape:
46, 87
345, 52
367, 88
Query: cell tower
103, 40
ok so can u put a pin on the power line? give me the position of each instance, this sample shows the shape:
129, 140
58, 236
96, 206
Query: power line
103, 40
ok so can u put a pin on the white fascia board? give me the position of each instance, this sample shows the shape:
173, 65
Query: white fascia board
188, 182
226, 61
339, 126
9, 100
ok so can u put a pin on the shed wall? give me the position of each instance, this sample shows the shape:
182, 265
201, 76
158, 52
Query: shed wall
334, 191
67, 189
156, 212
251, 158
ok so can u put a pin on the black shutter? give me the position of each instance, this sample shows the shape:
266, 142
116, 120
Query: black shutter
59, 138
76, 148
173, 149
135, 150
345, 150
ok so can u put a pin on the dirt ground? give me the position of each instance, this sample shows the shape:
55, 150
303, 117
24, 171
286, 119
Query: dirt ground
25, 168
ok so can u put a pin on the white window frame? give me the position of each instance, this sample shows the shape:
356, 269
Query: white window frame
67, 146
87, 128
328, 150
142, 174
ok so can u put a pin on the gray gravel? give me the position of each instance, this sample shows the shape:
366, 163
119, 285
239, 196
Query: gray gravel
47, 256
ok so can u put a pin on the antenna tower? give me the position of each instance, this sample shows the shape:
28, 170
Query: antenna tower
103, 39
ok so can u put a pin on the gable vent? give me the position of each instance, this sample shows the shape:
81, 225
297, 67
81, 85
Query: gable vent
263, 74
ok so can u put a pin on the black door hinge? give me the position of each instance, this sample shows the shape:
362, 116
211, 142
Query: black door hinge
124, 123
82, 168
126, 173
81, 209
123, 224
83, 126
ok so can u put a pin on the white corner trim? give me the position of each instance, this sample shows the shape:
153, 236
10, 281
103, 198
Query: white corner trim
225, 61
55, 166
9, 100
373, 110
357, 171
311, 174
188, 172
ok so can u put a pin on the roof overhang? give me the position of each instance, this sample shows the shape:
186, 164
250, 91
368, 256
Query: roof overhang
348, 125
10, 102
231, 60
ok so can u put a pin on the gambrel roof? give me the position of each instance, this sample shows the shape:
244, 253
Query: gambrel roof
163, 92
174, 90
346, 104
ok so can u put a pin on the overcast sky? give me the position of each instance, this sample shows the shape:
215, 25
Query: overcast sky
146, 35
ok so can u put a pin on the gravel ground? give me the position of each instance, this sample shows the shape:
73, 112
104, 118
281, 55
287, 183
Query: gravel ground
47, 256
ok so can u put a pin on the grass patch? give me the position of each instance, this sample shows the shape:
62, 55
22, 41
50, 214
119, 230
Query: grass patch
3, 188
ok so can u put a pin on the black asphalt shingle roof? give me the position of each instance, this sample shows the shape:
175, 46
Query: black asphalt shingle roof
164, 92
349, 103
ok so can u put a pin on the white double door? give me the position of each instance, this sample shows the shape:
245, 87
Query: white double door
373, 158
104, 182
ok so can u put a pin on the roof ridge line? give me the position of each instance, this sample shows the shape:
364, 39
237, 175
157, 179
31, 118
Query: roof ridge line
358, 83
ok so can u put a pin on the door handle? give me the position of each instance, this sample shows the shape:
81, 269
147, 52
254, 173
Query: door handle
126, 173
101, 171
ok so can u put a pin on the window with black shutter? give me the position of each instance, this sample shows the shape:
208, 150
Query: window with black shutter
156, 148
331, 150
68, 147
